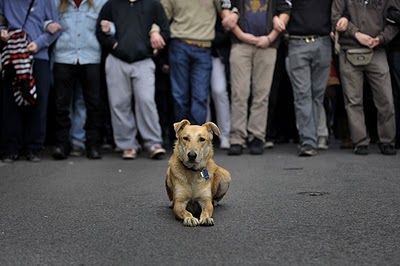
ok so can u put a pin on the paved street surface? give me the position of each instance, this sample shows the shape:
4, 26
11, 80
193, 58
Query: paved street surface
333, 209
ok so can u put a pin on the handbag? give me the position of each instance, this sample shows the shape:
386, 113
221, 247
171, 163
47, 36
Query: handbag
17, 66
359, 56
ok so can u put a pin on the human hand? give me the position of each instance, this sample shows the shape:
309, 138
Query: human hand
165, 69
263, 42
156, 40
230, 21
4, 35
342, 24
105, 26
364, 39
279, 25
374, 42
32, 47
53, 27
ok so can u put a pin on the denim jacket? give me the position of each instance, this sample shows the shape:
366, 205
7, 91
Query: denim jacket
77, 42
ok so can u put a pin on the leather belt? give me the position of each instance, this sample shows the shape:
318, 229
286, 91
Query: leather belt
306, 38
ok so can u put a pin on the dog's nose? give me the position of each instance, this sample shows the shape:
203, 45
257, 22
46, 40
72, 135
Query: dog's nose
192, 155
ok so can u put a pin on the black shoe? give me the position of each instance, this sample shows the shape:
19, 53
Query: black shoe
32, 156
10, 158
361, 150
93, 153
60, 153
256, 146
235, 149
387, 149
306, 150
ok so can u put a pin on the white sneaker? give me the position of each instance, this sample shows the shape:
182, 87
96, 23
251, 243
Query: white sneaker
269, 145
322, 143
157, 152
224, 143
129, 154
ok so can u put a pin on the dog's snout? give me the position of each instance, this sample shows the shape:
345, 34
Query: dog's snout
192, 155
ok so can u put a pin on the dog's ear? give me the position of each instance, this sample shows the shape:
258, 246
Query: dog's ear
178, 126
212, 128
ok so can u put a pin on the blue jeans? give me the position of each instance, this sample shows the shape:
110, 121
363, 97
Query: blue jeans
78, 117
190, 72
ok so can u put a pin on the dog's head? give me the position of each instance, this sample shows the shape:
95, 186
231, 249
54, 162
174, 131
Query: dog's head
194, 144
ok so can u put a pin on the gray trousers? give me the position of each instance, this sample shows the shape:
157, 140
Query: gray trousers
127, 82
377, 73
308, 67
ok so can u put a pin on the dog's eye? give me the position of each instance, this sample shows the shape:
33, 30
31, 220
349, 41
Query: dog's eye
185, 138
202, 139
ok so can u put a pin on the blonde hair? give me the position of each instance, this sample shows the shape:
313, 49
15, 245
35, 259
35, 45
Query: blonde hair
64, 5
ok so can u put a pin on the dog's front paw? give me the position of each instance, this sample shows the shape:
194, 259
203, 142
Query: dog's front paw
191, 221
207, 221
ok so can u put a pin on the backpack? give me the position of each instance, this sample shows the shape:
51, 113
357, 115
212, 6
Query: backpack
17, 66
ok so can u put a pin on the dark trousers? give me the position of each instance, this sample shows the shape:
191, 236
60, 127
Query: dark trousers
65, 79
394, 63
24, 128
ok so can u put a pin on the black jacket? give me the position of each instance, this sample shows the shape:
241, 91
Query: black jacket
133, 21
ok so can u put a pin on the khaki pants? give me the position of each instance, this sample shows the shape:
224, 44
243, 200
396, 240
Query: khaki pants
377, 73
252, 71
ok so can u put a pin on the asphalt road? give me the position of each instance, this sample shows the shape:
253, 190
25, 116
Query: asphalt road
333, 209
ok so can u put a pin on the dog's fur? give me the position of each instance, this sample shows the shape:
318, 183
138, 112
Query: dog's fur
186, 187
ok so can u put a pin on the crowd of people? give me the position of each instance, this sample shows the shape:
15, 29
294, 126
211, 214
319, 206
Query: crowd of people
118, 73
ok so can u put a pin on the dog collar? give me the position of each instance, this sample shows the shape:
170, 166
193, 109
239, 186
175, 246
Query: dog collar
204, 172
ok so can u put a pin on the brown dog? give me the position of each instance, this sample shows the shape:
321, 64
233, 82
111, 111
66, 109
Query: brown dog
194, 181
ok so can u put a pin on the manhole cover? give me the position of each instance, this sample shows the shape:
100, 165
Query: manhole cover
313, 193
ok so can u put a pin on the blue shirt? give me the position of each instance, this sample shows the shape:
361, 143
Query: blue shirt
42, 10
78, 42
256, 17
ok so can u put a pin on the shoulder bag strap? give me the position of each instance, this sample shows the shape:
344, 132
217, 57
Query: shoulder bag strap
27, 13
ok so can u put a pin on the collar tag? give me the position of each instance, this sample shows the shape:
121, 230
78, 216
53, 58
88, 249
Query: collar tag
204, 174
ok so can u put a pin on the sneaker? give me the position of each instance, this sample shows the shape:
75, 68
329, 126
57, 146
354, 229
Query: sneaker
269, 145
322, 143
306, 150
361, 150
256, 146
129, 154
32, 157
10, 158
387, 149
157, 152
77, 151
235, 149
224, 143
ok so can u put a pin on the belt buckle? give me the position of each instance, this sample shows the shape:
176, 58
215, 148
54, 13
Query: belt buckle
310, 39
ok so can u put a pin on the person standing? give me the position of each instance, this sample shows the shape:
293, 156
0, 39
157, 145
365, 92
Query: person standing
24, 127
123, 28
76, 55
367, 28
252, 62
394, 65
219, 83
308, 65
192, 33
